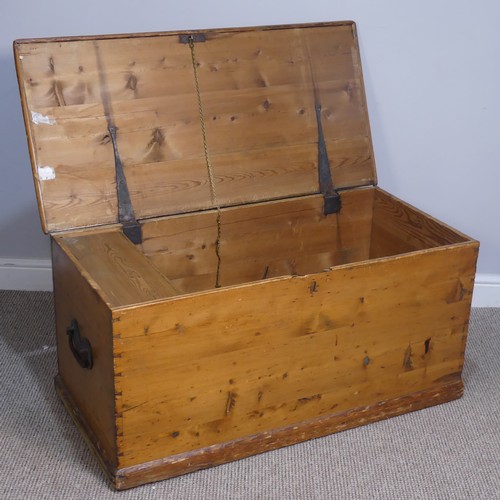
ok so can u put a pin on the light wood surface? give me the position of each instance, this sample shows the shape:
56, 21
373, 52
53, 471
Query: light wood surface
258, 96
204, 369
172, 466
117, 268
260, 241
93, 391
399, 228
266, 441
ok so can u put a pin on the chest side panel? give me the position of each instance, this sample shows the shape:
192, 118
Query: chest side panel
91, 390
259, 88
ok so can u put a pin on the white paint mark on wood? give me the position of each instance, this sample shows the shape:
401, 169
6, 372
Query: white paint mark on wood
39, 119
46, 173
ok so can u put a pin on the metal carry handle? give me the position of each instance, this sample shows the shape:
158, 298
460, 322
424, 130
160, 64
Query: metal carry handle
80, 346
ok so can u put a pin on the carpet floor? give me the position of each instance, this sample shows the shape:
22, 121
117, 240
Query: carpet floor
451, 451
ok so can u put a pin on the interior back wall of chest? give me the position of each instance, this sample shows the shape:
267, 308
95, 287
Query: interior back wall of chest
289, 237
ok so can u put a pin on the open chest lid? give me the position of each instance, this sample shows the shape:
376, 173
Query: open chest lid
122, 111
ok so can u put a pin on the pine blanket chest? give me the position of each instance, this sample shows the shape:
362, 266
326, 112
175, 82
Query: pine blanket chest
228, 277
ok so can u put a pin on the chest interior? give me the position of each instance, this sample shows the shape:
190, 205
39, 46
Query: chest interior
259, 242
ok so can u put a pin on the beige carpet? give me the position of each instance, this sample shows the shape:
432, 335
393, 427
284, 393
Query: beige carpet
446, 452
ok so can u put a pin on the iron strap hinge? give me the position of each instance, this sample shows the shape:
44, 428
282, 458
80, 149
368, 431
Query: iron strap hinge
126, 217
332, 202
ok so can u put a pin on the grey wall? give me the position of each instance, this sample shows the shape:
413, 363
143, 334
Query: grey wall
432, 73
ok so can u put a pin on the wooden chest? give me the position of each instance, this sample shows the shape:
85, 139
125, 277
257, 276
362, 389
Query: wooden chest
228, 277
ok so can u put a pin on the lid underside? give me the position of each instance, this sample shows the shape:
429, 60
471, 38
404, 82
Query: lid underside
258, 90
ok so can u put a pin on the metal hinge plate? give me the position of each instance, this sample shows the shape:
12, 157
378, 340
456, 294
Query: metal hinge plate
195, 37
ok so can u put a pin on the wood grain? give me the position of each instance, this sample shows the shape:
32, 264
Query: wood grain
258, 98
399, 228
270, 239
106, 461
266, 441
204, 458
116, 268
93, 391
349, 344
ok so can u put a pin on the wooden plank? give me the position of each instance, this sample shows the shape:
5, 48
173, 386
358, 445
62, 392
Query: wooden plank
287, 383
295, 411
141, 67
269, 440
84, 426
73, 197
399, 228
312, 337
284, 237
249, 350
168, 467
154, 34
92, 390
254, 118
117, 268
258, 97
